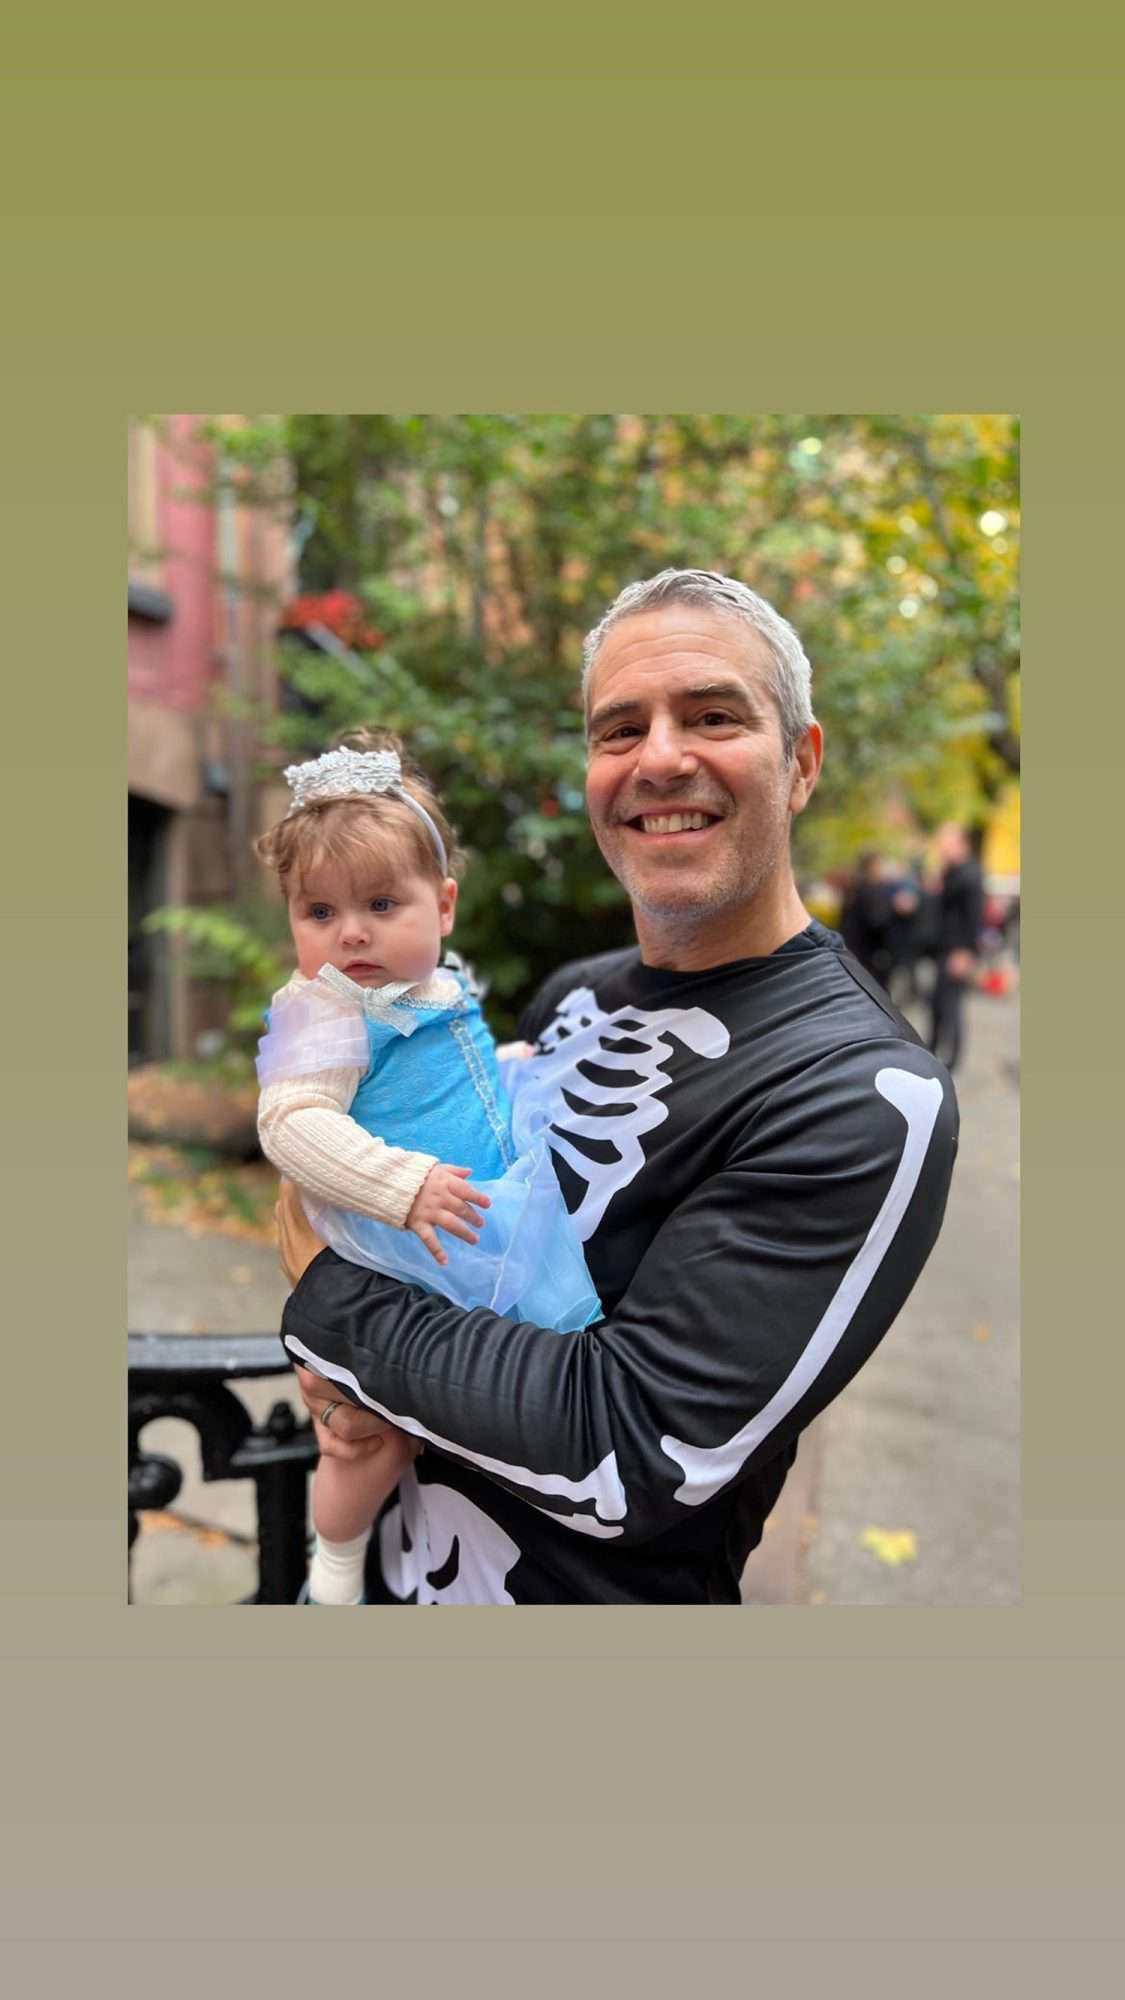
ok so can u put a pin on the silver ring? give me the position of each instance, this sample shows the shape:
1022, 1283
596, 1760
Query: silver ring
327, 1412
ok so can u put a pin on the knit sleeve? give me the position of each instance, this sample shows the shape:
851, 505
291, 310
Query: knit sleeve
305, 1132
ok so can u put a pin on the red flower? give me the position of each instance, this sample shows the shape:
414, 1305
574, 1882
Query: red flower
339, 612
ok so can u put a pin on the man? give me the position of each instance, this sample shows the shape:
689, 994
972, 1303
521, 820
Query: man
958, 925
755, 1146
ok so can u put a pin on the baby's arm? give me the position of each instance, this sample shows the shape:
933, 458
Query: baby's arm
306, 1133
310, 1067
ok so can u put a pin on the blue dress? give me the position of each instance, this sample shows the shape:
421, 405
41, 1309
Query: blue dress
431, 1084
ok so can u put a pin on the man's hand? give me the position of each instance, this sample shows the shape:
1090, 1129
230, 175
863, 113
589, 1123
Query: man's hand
352, 1434
446, 1201
297, 1240
959, 964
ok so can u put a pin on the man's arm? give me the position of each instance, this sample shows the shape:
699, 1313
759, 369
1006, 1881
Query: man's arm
756, 1302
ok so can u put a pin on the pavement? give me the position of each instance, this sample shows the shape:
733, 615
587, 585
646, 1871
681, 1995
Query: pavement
906, 1490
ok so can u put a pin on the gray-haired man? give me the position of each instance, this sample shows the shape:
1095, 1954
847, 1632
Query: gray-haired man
755, 1145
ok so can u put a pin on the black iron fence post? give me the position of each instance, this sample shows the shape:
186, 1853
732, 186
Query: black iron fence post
189, 1376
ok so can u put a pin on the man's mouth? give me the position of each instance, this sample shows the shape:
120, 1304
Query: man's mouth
673, 822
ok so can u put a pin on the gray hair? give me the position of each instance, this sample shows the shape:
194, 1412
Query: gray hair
791, 674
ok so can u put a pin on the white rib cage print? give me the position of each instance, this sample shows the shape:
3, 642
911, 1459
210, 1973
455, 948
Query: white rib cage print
600, 1078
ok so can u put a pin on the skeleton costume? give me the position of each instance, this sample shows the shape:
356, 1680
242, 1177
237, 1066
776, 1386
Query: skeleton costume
756, 1158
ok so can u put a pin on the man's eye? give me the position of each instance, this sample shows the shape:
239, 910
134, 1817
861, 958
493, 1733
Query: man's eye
621, 732
716, 717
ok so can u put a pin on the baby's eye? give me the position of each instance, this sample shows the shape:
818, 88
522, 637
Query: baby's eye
381, 904
320, 912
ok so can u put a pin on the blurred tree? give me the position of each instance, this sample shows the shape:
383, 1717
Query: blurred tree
481, 548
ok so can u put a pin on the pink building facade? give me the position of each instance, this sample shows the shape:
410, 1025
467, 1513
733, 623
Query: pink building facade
206, 581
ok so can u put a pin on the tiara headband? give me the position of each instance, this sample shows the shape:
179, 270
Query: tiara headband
341, 773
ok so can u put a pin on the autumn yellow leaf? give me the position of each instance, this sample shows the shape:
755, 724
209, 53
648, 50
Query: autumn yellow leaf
982, 1332
892, 1545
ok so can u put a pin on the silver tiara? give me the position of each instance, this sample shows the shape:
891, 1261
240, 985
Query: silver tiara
342, 773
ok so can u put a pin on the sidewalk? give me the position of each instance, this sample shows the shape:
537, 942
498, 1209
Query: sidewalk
924, 1442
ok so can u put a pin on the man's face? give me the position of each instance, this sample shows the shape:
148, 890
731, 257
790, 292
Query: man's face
689, 793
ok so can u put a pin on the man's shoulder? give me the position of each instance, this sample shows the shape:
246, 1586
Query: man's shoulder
858, 990
823, 1015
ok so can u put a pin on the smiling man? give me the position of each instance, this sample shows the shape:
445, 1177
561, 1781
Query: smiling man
753, 1143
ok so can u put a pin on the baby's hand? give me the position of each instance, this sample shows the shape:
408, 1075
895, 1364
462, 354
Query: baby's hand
446, 1201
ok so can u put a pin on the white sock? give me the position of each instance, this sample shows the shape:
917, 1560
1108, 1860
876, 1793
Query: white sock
336, 1570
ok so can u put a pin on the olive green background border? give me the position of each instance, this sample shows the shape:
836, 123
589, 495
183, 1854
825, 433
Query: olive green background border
670, 1795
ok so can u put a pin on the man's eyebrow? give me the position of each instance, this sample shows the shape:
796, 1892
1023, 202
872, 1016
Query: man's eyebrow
732, 691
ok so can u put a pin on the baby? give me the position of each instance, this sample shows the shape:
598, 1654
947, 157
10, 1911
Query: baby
381, 1096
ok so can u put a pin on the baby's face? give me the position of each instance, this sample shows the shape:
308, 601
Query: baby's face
387, 927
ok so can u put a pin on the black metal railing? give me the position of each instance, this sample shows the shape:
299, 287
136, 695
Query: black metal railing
189, 1376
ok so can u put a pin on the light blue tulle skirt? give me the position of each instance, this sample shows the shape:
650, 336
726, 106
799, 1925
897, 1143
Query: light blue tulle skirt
529, 1263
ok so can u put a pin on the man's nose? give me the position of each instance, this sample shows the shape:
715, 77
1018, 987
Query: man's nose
666, 753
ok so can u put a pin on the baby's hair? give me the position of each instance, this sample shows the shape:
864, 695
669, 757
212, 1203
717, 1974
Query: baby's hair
344, 831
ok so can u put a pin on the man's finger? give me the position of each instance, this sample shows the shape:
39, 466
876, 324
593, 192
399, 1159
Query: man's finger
351, 1451
323, 1430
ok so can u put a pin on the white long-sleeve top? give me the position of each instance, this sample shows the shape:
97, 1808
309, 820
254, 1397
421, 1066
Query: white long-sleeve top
306, 1133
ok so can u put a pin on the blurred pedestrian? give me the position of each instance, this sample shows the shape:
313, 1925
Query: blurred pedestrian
865, 919
903, 933
960, 902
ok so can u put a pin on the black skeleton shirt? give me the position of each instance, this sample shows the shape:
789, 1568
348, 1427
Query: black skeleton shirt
758, 1158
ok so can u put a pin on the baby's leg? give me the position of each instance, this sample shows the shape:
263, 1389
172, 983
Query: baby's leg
346, 1498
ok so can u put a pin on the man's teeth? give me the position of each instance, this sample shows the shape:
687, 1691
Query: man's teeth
674, 822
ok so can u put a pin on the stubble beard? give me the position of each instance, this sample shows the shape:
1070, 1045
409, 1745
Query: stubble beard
682, 910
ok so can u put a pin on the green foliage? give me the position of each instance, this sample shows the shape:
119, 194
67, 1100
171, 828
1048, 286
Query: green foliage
239, 949
484, 546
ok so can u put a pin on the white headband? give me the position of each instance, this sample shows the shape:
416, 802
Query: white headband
341, 773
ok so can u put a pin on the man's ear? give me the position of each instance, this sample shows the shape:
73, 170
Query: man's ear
807, 756
447, 904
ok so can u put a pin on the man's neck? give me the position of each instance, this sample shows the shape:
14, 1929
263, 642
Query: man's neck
695, 943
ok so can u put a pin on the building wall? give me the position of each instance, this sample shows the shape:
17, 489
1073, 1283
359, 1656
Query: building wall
206, 583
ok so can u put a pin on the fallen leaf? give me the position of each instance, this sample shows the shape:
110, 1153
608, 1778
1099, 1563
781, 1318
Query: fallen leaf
982, 1332
171, 1524
241, 1274
892, 1545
